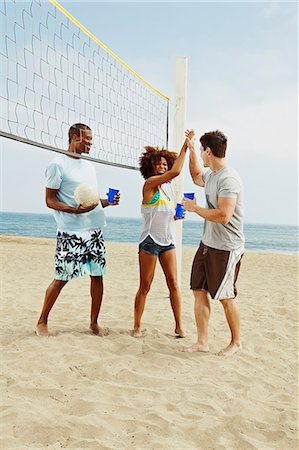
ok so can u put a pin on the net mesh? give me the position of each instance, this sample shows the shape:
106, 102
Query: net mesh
53, 75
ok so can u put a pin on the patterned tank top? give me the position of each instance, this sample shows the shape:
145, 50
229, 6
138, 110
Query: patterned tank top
158, 219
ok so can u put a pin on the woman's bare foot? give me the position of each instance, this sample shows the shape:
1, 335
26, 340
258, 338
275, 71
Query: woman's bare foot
95, 329
196, 348
137, 333
180, 333
230, 349
42, 330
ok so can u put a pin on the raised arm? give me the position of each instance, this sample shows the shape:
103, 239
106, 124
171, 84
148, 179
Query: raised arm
195, 169
156, 180
53, 203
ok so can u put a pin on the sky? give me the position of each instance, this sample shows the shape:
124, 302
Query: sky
242, 79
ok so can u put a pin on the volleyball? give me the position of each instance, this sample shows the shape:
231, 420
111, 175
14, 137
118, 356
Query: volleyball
86, 195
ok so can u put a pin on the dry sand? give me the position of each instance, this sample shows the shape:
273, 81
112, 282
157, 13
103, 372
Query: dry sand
78, 391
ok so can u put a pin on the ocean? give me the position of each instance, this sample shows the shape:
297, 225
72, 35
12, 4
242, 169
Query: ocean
259, 238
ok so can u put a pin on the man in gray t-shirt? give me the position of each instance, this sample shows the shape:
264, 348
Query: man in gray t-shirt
225, 183
217, 262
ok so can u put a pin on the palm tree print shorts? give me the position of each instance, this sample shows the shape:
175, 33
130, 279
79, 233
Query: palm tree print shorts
80, 254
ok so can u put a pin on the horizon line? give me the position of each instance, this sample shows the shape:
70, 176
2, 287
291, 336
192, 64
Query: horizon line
139, 217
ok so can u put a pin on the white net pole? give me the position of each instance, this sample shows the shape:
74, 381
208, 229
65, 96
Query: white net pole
179, 124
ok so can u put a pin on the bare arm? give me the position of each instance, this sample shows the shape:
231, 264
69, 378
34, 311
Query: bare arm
195, 169
222, 214
53, 203
104, 202
153, 182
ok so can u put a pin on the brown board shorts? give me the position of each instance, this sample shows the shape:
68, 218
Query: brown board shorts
216, 271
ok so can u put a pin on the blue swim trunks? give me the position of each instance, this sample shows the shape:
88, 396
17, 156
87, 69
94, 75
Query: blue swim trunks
80, 254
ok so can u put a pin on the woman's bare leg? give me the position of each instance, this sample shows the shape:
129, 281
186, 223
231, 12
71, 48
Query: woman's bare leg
147, 265
169, 266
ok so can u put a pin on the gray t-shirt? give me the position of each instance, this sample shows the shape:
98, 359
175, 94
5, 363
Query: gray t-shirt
225, 183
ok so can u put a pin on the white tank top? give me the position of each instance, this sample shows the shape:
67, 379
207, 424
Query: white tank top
158, 219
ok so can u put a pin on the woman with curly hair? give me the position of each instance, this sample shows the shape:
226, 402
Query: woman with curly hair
157, 236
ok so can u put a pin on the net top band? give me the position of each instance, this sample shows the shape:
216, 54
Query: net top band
104, 47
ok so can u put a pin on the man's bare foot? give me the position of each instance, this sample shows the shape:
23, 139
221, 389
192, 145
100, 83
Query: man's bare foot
137, 333
196, 348
41, 330
230, 349
98, 331
180, 333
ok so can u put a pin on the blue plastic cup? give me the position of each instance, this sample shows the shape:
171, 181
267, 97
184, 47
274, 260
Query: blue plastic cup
179, 211
111, 194
189, 195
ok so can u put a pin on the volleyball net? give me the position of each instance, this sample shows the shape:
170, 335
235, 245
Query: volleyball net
55, 73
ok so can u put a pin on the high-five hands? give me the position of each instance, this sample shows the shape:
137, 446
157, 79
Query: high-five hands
190, 138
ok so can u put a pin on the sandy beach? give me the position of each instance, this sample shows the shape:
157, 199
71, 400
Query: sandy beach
78, 391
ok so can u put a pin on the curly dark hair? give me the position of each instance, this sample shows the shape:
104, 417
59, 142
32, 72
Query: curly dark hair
151, 157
